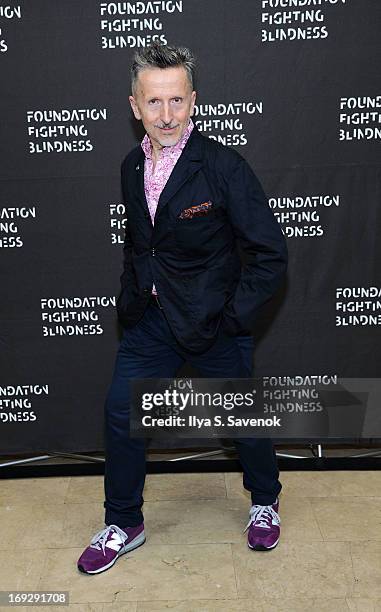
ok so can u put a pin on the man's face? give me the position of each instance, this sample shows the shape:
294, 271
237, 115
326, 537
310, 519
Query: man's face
163, 101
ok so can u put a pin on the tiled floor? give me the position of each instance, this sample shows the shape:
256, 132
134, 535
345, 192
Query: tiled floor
195, 557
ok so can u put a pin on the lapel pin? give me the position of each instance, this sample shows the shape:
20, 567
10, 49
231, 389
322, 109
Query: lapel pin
137, 167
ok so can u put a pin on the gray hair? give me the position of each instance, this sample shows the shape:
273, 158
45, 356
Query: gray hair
162, 56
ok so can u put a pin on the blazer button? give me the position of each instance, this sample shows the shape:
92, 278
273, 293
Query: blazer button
146, 214
145, 290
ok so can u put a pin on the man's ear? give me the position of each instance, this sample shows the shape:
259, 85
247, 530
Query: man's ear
134, 107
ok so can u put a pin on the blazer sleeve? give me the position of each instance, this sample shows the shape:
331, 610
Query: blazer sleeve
128, 275
261, 239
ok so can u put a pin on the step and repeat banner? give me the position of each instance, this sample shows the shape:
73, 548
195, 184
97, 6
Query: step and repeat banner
293, 85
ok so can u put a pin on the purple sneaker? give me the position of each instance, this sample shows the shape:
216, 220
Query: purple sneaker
108, 545
264, 527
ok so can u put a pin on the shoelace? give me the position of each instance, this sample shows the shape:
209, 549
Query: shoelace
260, 515
100, 538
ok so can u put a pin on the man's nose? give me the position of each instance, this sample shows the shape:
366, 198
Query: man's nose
166, 114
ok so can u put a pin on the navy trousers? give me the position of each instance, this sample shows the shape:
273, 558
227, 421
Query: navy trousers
150, 350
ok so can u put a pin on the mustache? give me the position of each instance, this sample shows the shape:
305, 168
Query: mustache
167, 126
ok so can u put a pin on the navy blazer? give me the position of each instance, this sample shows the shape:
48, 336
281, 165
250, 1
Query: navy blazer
194, 260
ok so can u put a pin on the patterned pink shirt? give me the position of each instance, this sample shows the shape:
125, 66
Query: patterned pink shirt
155, 181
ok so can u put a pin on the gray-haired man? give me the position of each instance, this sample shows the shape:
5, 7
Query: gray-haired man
186, 296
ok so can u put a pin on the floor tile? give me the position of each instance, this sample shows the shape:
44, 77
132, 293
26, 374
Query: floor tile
196, 557
25, 491
348, 519
83, 607
316, 484
330, 483
83, 489
150, 572
306, 604
247, 605
202, 605
30, 526
20, 570
364, 605
80, 523
295, 571
221, 521
157, 487
184, 486
366, 558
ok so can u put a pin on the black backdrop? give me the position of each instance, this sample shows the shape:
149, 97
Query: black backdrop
294, 85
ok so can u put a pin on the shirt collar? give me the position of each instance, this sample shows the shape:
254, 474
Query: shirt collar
165, 151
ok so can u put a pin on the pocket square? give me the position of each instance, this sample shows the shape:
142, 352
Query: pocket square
196, 211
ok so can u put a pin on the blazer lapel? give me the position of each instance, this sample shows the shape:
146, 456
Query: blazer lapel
188, 163
139, 183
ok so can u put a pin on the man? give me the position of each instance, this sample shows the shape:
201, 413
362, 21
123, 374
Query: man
186, 296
